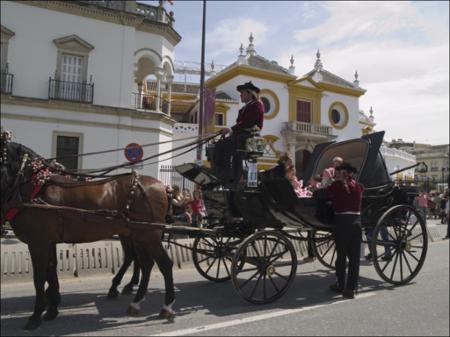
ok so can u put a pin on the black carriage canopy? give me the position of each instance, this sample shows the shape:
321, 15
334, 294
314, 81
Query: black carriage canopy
362, 153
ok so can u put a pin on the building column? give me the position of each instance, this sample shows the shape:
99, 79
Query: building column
169, 105
159, 75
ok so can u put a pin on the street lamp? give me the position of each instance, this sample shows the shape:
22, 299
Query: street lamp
443, 178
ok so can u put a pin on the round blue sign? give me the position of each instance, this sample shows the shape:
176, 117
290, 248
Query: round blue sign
134, 152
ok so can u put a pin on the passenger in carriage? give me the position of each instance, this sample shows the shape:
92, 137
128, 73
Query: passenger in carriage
346, 195
179, 209
328, 174
251, 114
300, 191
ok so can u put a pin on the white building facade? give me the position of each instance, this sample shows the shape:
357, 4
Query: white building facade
72, 75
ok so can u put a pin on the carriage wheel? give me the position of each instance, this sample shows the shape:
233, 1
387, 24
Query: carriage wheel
264, 267
399, 244
325, 248
212, 256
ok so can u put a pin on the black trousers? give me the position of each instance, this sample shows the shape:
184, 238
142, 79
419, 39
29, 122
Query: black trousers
348, 236
228, 159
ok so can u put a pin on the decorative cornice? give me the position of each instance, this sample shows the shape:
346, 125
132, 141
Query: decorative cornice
108, 15
340, 90
242, 69
7, 33
44, 119
86, 108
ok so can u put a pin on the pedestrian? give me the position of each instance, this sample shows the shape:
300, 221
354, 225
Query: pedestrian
346, 195
447, 214
421, 203
179, 209
197, 206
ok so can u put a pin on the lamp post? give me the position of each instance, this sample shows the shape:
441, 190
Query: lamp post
202, 87
443, 179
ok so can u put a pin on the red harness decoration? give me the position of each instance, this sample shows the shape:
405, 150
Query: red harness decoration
38, 179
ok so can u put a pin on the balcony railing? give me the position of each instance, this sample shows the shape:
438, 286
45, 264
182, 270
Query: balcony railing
302, 127
148, 102
70, 91
6, 83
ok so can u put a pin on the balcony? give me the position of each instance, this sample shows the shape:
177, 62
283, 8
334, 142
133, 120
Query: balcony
70, 91
148, 102
6, 83
308, 129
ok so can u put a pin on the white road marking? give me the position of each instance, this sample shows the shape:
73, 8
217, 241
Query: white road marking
239, 321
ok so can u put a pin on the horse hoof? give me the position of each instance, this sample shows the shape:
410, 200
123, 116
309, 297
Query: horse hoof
50, 314
127, 290
166, 314
132, 311
32, 324
113, 293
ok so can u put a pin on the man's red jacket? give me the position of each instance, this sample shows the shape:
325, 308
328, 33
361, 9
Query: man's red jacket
251, 114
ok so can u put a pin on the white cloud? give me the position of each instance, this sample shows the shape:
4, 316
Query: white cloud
228, 34
401, 57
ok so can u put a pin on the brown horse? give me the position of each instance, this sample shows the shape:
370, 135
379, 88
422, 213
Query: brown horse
128, 205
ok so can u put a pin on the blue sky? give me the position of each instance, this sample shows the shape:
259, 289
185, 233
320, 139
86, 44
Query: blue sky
399, 48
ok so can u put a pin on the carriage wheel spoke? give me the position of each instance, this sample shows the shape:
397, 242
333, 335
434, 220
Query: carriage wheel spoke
394, 253
273, 284
264, 286
242, 285
413, 256
226, 267
218, 268
407, 263
395, 265
282, 276
415, 237
279, 255
212, 264
256, 285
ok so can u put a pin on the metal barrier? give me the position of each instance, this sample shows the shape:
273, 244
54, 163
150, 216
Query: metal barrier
77, 260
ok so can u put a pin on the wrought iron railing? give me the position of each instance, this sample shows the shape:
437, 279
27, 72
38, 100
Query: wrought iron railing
6, 83
70, 91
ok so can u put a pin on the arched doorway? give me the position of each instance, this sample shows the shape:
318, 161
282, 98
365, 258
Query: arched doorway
301, 162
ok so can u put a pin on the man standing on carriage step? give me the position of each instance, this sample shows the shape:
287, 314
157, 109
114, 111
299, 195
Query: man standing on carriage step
251, 114
346, 195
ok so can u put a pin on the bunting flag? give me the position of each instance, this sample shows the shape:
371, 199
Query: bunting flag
209, 111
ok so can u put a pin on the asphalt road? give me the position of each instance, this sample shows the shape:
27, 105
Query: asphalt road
204, 308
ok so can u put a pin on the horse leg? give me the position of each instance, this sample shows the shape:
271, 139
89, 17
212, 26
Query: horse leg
113, 292
39, 257
146, 263
52, 292
165, 265
128, 289
129, 256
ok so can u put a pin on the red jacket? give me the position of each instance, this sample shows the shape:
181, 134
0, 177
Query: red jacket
345, 198
251, 114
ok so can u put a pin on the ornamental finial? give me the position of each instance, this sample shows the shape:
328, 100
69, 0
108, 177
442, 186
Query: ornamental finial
318, 65
251, 47
356, 81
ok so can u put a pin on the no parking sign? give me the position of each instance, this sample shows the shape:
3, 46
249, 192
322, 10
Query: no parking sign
133, 152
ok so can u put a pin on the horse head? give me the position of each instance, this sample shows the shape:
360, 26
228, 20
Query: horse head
13, 158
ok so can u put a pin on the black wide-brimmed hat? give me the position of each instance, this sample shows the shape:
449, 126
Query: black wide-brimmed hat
347, 167
248, 86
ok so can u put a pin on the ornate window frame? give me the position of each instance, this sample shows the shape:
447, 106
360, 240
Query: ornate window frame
6, 35
274, 103
72, 45
344, 116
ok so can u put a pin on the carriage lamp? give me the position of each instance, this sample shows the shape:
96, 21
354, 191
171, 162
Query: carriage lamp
255, 145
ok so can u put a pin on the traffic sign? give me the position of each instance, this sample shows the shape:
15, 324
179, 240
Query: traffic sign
133, 152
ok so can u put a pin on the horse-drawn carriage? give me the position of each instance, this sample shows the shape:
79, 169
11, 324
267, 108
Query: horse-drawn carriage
254, 246
250, 232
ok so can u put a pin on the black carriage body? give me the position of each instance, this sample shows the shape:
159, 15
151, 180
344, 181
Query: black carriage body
253, 225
